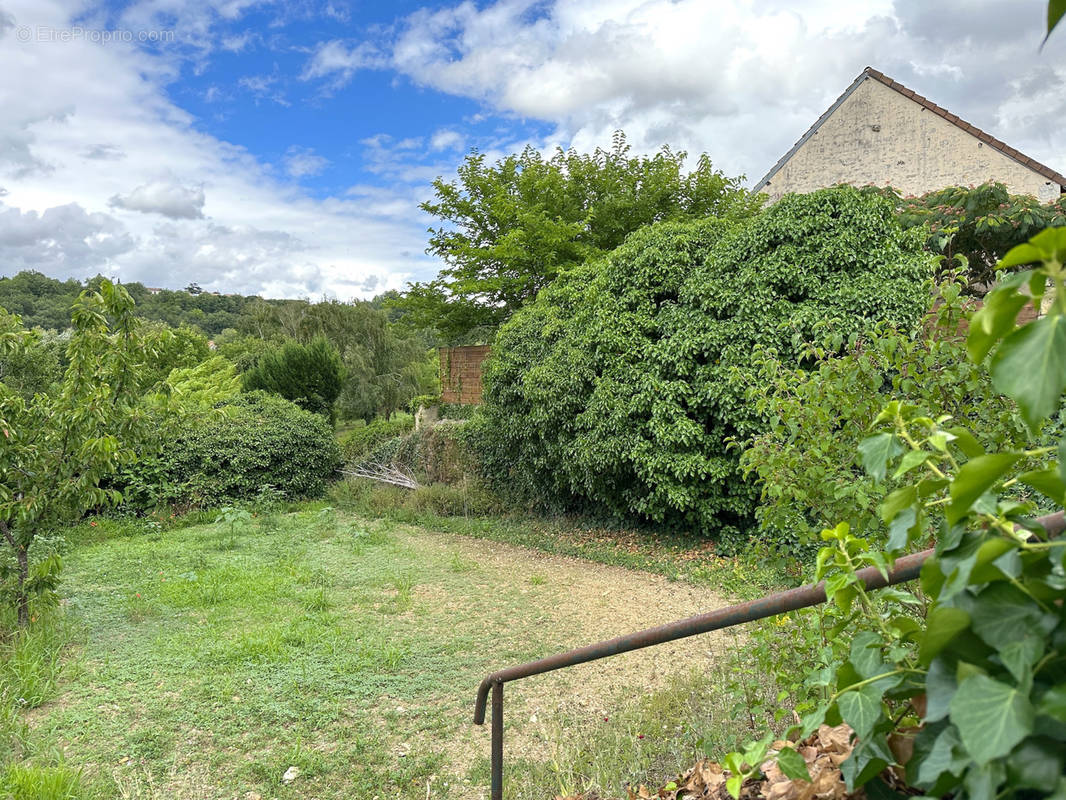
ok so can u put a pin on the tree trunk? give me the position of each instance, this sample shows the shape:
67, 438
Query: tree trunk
22, 599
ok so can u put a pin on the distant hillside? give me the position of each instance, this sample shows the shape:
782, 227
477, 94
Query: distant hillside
45, 302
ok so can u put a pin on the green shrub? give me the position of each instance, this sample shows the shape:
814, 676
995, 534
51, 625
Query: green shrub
623, 385
805, 456
261, 440
361, 440
434, 454
310, 375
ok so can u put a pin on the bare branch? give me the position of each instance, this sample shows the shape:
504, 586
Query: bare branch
384, 473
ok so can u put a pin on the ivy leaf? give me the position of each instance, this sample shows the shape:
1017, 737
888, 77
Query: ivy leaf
942, 757
1030, 368
790, 762
1037, 763
877, 451
1005, 614
867, 761
942, 625
976, 477
861, 709
940, 687
1053, 703
1019, 657
865, 655
991, 716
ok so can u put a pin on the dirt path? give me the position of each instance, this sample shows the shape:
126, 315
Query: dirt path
586, 602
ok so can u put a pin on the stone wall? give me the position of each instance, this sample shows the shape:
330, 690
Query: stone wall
878, 136
460, 373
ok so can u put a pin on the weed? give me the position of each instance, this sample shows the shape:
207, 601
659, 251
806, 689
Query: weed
29, 782
537, 580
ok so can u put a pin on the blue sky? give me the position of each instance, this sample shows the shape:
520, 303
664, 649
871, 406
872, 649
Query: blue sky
282, 148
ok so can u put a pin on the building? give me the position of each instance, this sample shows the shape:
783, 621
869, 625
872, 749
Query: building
460, 373
880, 132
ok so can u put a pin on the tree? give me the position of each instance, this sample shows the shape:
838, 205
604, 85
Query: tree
194, 288
309, 375
511, 227
55, 448
623, 386
385, 365
979, 223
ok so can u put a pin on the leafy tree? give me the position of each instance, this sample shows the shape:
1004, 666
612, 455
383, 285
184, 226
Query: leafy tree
309, 375
37, 366
169, 348
56, 447
805, 457
624, 384
979, 223
385, 365
972, 672
511, 227
243, 350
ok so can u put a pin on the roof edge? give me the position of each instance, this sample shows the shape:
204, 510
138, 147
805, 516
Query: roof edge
812, 130
871, 73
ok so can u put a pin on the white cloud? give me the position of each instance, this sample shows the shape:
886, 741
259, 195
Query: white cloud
333, 59
263, 235
445, 139
163, 197
740, 79
302, 161
60, 239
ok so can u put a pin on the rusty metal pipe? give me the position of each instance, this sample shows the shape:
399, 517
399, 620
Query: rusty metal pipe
497, 740
905, 569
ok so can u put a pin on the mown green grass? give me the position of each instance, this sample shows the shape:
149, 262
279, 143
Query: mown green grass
210, 658
469, 510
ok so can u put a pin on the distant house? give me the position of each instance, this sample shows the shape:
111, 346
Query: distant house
880, 132
152, 289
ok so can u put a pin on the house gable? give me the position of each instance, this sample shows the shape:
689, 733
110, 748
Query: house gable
879, 132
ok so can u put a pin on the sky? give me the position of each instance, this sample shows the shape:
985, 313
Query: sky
283, 148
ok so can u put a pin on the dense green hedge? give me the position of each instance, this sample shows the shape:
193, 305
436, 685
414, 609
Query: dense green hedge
255, 440
362, 440
623, 386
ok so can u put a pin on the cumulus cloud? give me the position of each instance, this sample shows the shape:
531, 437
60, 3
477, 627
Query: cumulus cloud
737, 79
163, 197
61, 240
264, 235
303, 161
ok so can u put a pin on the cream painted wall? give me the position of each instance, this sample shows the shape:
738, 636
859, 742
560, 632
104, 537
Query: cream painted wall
879, 136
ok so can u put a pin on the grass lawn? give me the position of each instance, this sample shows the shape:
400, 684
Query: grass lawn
210, 659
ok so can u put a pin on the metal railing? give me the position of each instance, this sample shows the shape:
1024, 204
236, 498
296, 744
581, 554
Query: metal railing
905, 569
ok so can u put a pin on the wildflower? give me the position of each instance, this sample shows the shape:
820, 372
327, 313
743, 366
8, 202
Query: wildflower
640, 735
92, 524
138, 595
